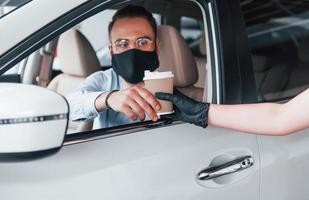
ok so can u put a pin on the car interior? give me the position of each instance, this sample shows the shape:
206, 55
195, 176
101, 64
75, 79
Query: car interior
62, 64
278, 36
73, 44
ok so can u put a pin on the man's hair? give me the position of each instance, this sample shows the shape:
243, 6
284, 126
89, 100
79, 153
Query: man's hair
131, 11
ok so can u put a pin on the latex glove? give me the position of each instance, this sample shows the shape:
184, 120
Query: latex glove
187, 109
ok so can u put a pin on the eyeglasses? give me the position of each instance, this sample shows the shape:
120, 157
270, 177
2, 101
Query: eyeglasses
143, 43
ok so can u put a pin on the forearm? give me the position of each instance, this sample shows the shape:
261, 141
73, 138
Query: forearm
100, 102
82, 105
265, 118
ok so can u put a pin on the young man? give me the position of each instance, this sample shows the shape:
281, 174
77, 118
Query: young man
117, 96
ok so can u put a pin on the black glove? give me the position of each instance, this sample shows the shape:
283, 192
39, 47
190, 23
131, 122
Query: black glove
187, 109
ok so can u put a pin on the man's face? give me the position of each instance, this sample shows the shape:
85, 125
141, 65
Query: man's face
130, 33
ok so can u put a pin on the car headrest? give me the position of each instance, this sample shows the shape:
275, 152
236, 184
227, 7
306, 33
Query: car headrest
175, 55
76, 55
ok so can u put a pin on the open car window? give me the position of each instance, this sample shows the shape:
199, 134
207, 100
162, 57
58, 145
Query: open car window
81, 53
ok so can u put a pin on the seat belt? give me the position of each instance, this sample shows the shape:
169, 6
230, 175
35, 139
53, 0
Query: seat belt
48, 54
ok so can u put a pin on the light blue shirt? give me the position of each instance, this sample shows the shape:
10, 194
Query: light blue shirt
82, 101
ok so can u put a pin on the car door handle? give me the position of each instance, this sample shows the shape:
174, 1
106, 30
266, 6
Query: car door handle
226, 168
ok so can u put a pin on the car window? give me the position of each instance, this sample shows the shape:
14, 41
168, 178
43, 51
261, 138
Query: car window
81, 54
95, 32
279, 39
8, 6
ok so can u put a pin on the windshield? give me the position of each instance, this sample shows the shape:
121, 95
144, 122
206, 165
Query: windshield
8, 6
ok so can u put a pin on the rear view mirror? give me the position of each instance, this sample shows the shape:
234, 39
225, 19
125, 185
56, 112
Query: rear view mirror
32, 119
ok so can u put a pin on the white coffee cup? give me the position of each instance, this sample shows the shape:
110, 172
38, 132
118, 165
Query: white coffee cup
160, 82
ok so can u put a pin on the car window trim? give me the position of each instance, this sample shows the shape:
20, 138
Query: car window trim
214, 44
235, 72
97, 134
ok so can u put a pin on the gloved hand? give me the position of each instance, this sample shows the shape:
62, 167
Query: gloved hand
187, 109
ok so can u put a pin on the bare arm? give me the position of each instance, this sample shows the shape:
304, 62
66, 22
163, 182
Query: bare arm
264, 118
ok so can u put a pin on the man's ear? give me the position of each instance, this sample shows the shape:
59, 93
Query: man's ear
157, 46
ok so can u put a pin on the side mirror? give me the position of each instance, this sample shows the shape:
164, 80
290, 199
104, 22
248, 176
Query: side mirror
32, 120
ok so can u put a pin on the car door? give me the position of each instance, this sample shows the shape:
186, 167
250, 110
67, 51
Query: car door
280, 50
163, 160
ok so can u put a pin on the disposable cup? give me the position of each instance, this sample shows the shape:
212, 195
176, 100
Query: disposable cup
160, 82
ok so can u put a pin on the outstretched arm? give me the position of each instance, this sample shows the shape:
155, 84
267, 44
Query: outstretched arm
263, 118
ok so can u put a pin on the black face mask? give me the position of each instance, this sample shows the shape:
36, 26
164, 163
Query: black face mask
132, 63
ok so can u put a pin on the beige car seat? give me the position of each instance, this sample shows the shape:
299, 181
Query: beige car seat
201, 62
175, 55
77, 60
273, 67
298, 80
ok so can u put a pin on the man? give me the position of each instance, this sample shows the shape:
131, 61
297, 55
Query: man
117, 96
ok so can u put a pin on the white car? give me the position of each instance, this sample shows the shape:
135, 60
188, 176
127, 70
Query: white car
257, 51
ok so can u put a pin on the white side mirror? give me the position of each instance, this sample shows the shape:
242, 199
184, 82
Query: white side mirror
32, 119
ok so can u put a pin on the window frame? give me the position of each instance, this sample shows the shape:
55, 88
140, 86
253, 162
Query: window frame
234, 77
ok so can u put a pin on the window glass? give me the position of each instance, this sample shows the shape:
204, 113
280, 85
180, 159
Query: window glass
190, 29
8, 6
278, 33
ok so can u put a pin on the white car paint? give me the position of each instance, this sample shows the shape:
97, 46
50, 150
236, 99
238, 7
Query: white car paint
30, 18
23, 104
284, 166
155, 164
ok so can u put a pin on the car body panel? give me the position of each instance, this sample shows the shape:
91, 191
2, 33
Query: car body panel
42, 13
160, 163
284, 166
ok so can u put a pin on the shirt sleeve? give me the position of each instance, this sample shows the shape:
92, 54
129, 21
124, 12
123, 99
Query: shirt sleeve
82, 101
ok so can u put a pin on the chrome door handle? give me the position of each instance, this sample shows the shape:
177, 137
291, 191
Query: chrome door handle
227, 168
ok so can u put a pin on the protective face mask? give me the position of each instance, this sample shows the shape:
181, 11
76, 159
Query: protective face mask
132, 63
